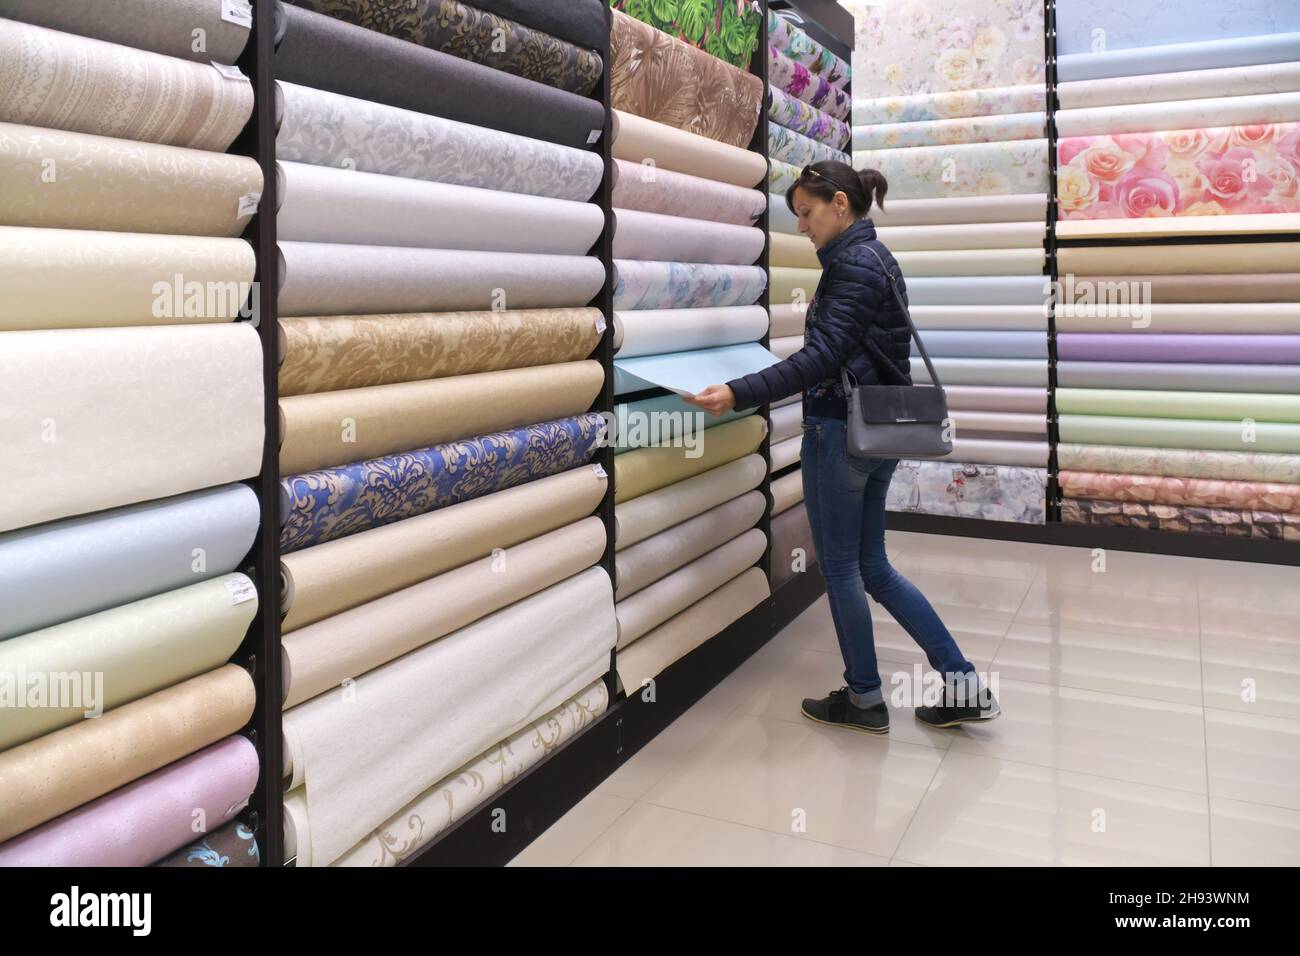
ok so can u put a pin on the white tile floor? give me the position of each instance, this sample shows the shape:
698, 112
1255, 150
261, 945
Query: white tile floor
1151, 716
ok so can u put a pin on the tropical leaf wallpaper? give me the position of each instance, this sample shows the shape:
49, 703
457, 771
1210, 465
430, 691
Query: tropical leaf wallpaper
727, 29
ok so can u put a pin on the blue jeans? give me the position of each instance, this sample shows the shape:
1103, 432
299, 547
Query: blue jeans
845, 498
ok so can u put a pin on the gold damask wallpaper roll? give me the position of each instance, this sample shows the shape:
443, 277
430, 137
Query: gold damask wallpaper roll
663, 79
354, 351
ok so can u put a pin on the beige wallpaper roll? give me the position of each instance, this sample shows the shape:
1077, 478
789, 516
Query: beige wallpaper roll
1195, 317
787, 422
644, 563
74, 279
332, 577
332, 428
1194, 260
60, 180
637, 139
787, 491
321, 354
63, 81
1020, 207
63, 770
975, 235
972, 262
783, 347
1237, 225
785, 453
792, 251
322, 656
791, 319
981, 318
683, 633
650, 607
649, 514
793, 285
1241, 287
649, 469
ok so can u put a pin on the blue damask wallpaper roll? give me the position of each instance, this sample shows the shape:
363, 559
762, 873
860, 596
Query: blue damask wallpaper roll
332, 503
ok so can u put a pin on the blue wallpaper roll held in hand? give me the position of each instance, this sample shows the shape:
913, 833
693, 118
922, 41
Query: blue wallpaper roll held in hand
688, 373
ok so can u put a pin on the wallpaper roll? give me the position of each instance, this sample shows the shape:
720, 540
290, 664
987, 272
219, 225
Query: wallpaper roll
649, 469
1172, 57
637, 139
972, 262
674, 593
977, 290
784, 454
977, 424
653, 331
1201, 492
794, 78
1183, 85
160, 26
73, 279
780, 219
642, 284
329, 54
651, 513
1260, 222
138, 414
950, 104
781, 176
975, 235
786, 346
145, 820
991, 492
1011, 318
1014, 207
1183, 114
688, 373
1180, 462
648, 188
459, 793
798, 149
332, 503
786, 422
662, 420
965, 170
82, 85
787, 491
788, 320
355, 351
948, 132
132, 650
792, 545
1236, 523
361, 764
649, 235
1234, 322
794, 114
320, 657
1180, 433
232, 845
122, 186
1169, 347
683, 633
1259, 287
581, 21
984, 371
659, 77
332, 428
318, 204
792, 40
991, 451
474, 34
329, 279
964, 344
794, 252
1147, 403
1179, 375
376, 138
330, 578
68, 569
793, 285
61, 771
986, 398
1192, 260
643, 564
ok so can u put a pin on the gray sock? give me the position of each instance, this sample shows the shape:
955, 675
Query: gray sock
870, 699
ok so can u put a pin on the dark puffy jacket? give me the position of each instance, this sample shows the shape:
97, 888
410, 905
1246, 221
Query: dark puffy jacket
853, 320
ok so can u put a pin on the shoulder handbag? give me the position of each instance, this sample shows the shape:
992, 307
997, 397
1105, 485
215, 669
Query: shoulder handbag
897, 421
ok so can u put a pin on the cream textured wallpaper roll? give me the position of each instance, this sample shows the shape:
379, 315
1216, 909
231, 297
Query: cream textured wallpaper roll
651, 513
637, 139
786, 453
649, 469
655, 331
787, 491
651, 235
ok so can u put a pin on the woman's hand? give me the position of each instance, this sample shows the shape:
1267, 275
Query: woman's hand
716, 399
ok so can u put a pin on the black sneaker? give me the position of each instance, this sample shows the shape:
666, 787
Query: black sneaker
838, 710
949, 715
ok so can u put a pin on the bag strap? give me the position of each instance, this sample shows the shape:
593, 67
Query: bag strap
898, 297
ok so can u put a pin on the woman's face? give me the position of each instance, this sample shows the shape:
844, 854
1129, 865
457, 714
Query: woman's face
821, 220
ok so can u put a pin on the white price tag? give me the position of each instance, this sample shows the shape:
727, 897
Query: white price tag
593, 136
600, 323
238, 12
248, 204
599, 470
229, 71
241, 589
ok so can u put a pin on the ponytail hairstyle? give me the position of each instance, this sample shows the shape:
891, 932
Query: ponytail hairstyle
828, 177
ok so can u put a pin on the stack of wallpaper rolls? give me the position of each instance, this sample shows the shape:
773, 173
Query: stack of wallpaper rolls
1179, 365
436, 396
132, 407
685, 244
949, 106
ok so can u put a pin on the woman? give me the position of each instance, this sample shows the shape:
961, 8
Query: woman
854, 321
